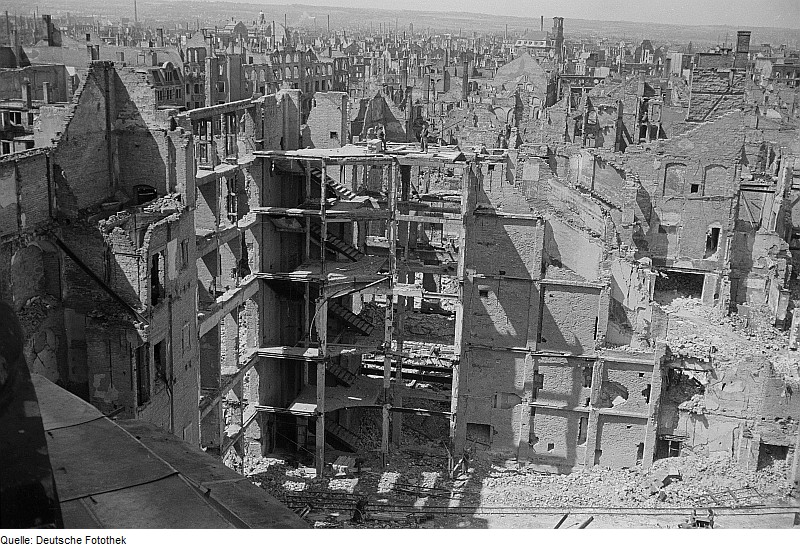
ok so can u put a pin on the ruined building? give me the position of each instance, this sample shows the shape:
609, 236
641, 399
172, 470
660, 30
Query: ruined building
202, 271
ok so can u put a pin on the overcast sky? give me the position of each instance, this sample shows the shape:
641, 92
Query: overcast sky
744, 13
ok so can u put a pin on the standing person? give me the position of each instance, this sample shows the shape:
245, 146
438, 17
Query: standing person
382, 135
423, 136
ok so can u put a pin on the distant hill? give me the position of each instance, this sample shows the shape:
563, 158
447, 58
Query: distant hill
168, 13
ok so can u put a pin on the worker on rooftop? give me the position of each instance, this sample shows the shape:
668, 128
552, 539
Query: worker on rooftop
423, 137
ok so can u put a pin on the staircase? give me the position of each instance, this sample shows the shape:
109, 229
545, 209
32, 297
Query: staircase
343, 375
341, 191
336, 433
357, 322
337, 245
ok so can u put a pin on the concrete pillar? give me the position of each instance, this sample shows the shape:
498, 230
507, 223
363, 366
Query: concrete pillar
710, 283
592, 442
795, 472
656, 382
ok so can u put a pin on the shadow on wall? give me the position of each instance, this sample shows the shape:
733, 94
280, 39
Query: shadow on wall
142, 144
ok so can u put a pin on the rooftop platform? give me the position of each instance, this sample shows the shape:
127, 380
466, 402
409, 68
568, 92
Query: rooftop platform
363, 393
403, 153
130, 474
366, 270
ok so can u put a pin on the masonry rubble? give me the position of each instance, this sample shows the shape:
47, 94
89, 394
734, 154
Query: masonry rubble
605, 295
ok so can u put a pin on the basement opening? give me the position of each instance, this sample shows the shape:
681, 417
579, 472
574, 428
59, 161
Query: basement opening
671, 285
768, 454
667, 447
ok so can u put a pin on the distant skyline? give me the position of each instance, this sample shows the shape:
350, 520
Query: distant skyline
740, 13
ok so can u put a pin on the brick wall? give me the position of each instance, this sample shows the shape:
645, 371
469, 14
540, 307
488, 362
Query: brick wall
83, 153
24, 191
715, 90
328, 121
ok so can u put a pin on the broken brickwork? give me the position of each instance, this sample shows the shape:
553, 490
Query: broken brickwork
116, 284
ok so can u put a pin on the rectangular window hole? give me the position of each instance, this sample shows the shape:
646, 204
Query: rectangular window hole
712, 242
480, 433
583, 425
587, 376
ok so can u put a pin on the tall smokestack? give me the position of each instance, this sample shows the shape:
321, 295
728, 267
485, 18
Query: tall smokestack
742, 49
135, 13
464, 79
541, 25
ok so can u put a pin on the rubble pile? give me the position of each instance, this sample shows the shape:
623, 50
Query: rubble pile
431, 328
702, 332
602, 487
681, 482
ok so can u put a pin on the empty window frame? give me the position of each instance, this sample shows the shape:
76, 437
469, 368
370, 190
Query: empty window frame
143, 375
712, 242
157, 291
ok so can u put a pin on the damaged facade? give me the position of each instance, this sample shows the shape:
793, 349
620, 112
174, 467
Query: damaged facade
241, 276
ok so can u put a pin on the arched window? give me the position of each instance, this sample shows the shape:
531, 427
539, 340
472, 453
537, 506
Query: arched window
674, 179
716, 181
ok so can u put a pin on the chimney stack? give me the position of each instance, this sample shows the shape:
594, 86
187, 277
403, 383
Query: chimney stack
742, 50
120, 57
48, 25
542, 24
27, 95
46, 92
465, 80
